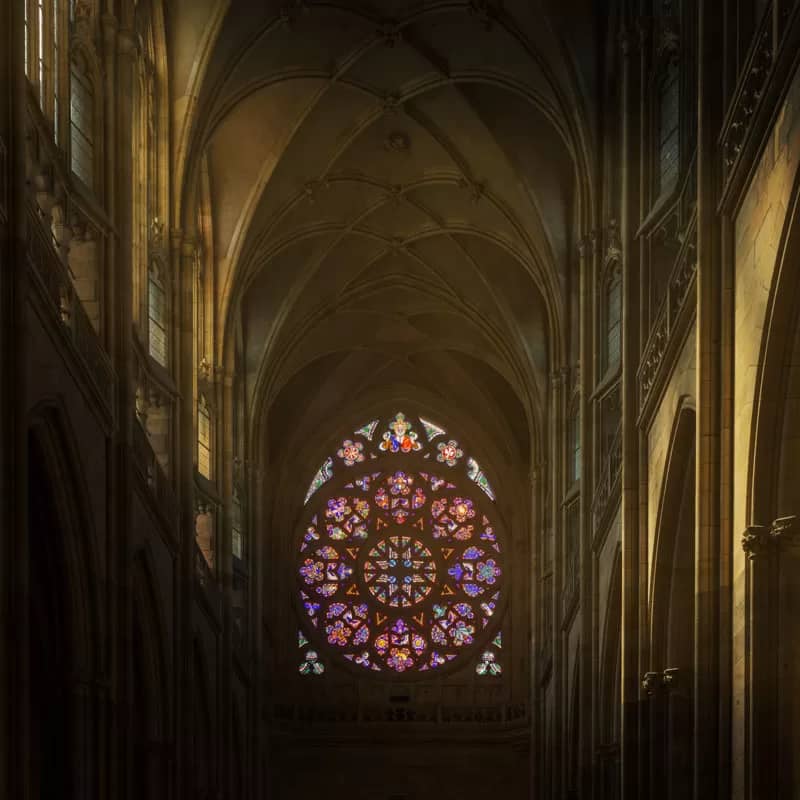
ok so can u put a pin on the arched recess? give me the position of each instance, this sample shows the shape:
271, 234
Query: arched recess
148, 709
672, 618
609, 687
772, 538
204, 752
64, 615
238, 753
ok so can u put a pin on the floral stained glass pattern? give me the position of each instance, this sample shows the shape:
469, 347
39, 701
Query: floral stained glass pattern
399, 571
400, 438
311, 664
351, 452
489, 663
449, 453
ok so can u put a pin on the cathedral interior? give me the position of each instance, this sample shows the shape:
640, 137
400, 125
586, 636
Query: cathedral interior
400, 399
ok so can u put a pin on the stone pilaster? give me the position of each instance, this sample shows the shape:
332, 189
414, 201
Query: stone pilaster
708, 392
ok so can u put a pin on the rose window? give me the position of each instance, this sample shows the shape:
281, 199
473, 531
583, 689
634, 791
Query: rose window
400, 569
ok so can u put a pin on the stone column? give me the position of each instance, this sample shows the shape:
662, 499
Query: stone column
183, 264
588, 277
259, 754
14, 639
224, 442
555, 446
633, 538
122, 488
535, 532
708, 393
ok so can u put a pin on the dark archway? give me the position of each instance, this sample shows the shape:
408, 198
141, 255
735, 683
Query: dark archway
672, 632
151, 775
52, 655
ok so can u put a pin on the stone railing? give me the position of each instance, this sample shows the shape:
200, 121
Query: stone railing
607, 487
679, 293
162, 493
54, 280
424, 714
206, 580
768, 39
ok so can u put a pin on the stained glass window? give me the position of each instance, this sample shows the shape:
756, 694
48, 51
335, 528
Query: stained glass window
613, 318
476, 474
310, 663
157, 315
81, 120
431, 430
574, 444
669, 127
489, 664
324, 474
203, 439
400, 567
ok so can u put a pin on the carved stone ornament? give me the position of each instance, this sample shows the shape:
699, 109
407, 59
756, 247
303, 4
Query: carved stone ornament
654, 682
397, 142
476, 189
292, 10
391, 103
485, 11
760, 539
613, 241
391, 33
651, 682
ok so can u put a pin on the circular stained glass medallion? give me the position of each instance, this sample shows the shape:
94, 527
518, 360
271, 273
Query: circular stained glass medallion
400, 571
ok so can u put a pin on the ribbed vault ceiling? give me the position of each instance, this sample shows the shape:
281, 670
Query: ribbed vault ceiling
394, 188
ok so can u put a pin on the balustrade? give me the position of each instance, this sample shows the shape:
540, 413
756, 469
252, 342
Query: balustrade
425, 714
56, 284
680, 292
608, 483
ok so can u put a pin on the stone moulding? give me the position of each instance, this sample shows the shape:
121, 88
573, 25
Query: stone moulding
669, 320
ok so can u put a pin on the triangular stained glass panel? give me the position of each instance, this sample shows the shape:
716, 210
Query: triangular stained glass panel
431, 430
324, 474
368, 431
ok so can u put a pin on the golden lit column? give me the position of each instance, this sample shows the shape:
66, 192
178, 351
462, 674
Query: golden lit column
709, 297
14, 640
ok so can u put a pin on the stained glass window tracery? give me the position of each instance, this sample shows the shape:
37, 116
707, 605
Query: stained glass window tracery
400, 568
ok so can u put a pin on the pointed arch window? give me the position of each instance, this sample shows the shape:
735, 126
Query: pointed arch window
574, 444
204, 438
45, 46
237, 535
157, 313
668, 125
81, 122
612, 318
